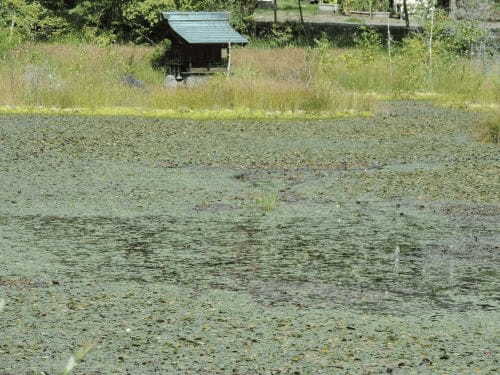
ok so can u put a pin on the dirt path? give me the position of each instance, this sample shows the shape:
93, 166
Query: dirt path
350, 19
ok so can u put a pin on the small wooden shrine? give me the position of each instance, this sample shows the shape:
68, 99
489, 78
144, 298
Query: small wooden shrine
201, 43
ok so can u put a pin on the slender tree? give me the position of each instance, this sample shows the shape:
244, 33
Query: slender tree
389, 44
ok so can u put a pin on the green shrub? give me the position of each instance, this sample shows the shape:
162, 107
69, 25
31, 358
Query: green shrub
160, 54
9, 39
368, 39
281, 36
458, 37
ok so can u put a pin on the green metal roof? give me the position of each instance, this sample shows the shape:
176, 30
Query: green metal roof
203, 27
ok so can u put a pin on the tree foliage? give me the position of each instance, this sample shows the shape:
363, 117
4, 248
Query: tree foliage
31, 19
136, 20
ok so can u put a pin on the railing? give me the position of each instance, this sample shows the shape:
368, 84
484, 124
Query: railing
182, 65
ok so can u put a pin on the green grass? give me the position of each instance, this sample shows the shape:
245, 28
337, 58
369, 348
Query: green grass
267, 201
355, 20
183, 113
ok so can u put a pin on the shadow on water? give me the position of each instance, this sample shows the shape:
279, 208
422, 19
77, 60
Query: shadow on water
370, 261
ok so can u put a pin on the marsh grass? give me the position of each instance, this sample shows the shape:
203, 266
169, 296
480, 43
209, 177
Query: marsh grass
87, 76
488, 128
266, 201
281, 82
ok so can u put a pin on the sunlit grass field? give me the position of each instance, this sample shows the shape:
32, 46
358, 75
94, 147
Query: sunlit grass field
287, 82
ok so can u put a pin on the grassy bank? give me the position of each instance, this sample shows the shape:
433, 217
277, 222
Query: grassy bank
85, 76
267, 83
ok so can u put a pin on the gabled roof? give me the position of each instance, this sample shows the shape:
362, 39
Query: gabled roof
203, 27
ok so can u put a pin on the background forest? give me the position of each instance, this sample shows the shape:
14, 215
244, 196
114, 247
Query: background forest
138, 20
129, 20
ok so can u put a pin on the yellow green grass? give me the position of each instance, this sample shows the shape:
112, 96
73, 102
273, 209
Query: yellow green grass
203, 114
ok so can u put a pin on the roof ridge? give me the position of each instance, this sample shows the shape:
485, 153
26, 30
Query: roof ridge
190, 16
203, 27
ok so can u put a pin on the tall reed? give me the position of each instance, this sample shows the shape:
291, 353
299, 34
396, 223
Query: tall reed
309, 80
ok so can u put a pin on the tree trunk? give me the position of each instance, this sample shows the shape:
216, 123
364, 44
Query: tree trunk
229, 58
275, 10
453, 8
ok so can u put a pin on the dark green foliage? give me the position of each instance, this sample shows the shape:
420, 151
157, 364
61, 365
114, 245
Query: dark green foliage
131, 20
31, 20
8, 41
160, 54
462, 36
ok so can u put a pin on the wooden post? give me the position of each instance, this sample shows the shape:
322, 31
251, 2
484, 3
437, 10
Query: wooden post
229, 58
300, 12
275, 10
407, 18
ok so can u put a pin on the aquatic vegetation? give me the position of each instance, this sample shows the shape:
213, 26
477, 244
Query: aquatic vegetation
373, 248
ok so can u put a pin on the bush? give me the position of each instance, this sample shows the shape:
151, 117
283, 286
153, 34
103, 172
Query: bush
458, 37
8, 41
160, 54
